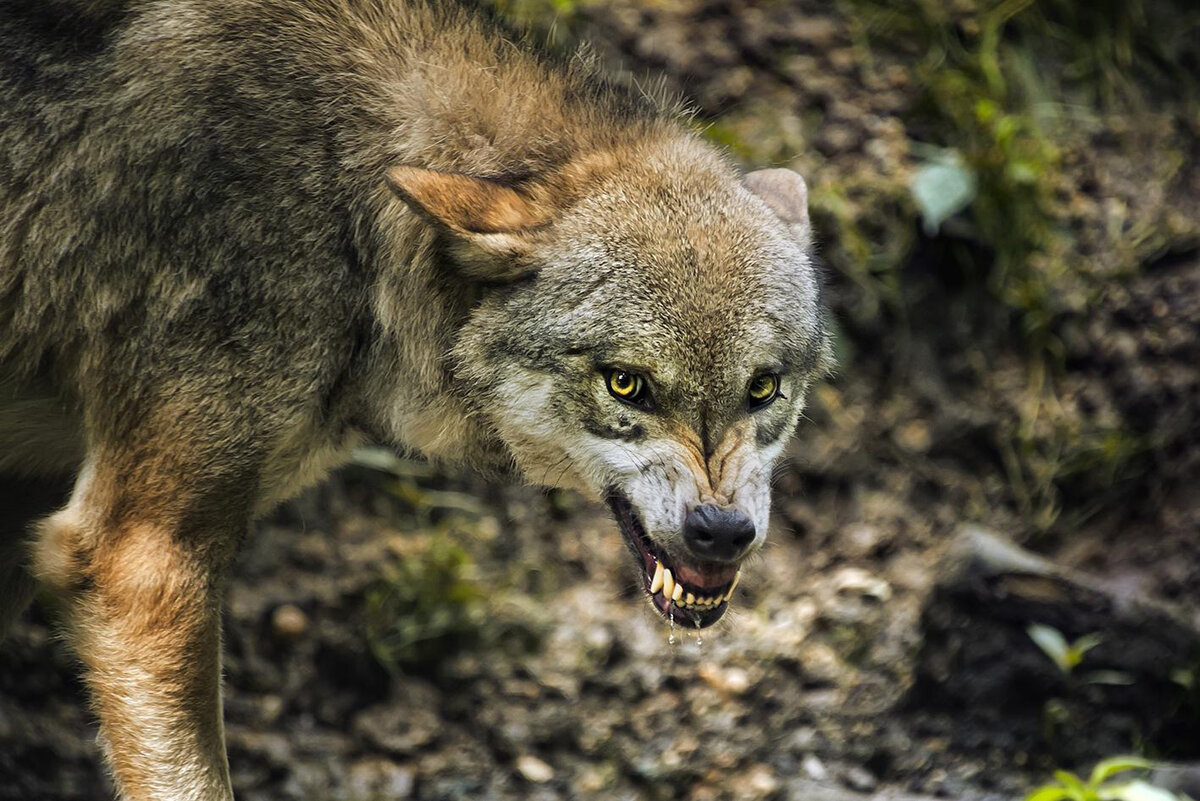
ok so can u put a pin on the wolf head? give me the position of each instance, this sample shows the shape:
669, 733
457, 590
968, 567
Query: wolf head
652, 328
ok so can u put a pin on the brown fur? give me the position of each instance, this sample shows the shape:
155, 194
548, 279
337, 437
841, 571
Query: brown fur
239, 237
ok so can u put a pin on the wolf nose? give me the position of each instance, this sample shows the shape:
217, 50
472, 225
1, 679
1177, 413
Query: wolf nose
718, 534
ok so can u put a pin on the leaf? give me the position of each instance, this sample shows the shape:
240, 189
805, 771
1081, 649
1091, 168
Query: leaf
1137, 790
942, 188
1048, 792
1114, 677
1086, 643
1110, 767
1053, 644
1074, 786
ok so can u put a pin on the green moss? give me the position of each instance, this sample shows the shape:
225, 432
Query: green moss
425, 610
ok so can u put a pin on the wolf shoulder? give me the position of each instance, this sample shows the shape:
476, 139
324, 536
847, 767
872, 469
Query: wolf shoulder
171, 225
156, 196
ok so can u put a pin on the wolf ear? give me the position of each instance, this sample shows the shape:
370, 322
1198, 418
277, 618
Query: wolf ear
492, 222
786, 194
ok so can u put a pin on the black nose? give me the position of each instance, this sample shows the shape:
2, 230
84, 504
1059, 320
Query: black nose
719, 534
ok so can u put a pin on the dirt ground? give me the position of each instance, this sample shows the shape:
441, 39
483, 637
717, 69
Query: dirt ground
550, 678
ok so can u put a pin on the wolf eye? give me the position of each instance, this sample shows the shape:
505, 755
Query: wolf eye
763, 389
626, 386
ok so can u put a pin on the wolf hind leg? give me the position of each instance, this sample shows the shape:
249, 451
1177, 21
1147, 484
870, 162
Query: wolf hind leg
24, 501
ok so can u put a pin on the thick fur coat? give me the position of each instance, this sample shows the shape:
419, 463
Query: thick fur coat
238, 237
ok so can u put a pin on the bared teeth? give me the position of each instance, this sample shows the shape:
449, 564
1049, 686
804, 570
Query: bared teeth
673, 590
736, 578
656, 583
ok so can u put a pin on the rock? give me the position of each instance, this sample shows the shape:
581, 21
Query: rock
856, 581
731, 680
814, 768
533, 769
978, 660
1179, 779
860, 779
395, 732
860, 540
758, 782
808, 790
380, 779
289, 621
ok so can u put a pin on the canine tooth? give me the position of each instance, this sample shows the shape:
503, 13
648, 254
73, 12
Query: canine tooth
736, 578
656, 583
677, 594
668, 584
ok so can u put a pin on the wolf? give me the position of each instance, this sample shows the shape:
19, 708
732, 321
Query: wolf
239, 238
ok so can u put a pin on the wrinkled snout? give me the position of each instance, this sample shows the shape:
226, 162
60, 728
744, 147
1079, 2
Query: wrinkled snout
713, 533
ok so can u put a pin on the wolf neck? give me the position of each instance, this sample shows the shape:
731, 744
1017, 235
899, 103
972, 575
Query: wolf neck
450, 91
458, 97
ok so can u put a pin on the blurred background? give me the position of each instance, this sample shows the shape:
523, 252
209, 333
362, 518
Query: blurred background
985, 565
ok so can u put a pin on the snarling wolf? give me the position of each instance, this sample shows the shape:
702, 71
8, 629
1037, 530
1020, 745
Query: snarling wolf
239, 237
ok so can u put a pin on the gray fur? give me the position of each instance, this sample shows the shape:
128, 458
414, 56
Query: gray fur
210, 293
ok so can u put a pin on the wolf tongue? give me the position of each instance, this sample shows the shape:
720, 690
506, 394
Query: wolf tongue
707, 577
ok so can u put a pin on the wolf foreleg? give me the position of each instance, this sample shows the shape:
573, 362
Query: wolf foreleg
142, 613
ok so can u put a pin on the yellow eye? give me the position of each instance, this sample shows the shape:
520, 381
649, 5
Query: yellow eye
763, 390
626, 386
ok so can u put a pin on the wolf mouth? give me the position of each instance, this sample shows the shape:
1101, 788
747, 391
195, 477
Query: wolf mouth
690, 594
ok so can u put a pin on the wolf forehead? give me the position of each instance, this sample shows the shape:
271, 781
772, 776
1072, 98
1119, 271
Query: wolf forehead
697, 274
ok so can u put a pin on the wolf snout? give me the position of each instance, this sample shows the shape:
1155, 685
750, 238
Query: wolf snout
717, 534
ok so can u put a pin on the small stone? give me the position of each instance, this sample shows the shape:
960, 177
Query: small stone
289, 621
732, 680
913, 436
270, 707
814, 768
593, 780
820, 663
860, 539
816, 31
856, 581
760, 782
860, 779
533, 769
379, 778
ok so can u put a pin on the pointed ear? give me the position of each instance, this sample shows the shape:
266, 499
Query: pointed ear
786, 194
494, 224
465, 204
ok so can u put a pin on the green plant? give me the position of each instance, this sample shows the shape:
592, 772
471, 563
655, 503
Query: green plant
1101, 786
426, 609
1068, 655
1065, 655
